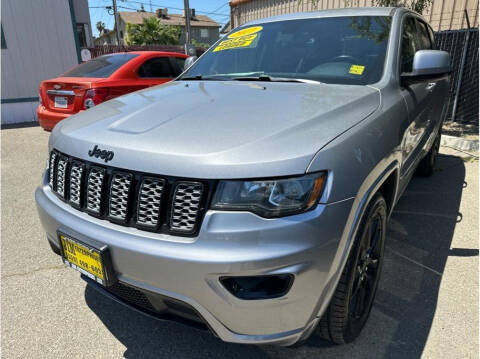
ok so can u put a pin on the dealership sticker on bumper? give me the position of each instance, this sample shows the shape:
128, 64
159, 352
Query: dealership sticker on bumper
86, 260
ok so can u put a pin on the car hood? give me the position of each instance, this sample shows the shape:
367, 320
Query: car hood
217, 129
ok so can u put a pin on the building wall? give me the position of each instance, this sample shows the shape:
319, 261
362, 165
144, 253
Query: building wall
40, 44
442, 14
196, 35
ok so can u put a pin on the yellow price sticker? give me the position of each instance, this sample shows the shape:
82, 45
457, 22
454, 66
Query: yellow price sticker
356, 69
236, 42
247, 31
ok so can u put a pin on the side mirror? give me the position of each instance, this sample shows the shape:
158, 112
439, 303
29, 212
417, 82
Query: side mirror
428, 65
189, 62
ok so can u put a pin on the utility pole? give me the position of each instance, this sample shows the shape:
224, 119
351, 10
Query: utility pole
187, 22
115, 16
189, 49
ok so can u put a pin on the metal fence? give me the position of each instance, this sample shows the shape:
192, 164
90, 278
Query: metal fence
109, 49
463, 96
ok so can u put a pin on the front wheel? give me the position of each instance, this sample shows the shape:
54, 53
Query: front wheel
353, 298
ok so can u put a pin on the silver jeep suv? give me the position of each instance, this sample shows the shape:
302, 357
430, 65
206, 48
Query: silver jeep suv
251, 195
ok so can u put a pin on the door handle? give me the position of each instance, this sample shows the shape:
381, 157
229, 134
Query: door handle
430, 86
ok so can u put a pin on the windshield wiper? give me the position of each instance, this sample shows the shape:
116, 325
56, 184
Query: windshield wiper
196, 77
272, 79
202, 78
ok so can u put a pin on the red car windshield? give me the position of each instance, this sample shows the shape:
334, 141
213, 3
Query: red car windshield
102, 66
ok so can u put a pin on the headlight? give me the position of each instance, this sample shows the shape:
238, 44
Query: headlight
270, 198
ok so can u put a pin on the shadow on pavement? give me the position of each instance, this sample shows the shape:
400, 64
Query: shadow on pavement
19, 125
418, 244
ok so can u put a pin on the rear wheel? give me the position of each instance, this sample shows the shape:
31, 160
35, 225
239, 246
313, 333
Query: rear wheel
353, 298
426, 165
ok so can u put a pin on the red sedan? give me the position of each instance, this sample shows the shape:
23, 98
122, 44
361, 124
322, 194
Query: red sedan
102, 79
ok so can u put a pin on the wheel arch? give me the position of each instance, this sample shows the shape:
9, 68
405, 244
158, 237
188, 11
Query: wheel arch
387, 182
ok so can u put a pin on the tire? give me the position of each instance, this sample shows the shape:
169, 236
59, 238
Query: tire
347, 313
426, 165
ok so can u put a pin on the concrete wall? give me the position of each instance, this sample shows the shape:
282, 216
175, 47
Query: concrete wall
442, 14
40, 45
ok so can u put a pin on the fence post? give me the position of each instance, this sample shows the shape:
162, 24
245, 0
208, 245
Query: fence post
462, 66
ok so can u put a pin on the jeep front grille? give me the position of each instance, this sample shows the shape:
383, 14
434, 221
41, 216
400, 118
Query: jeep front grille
119, 193
148, 202
95, 182
186, 202
76, 180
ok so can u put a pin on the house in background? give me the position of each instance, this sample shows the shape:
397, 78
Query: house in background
441, 14
204, 29
49, 45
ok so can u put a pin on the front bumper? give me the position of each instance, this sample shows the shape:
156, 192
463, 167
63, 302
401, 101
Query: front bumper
228, 244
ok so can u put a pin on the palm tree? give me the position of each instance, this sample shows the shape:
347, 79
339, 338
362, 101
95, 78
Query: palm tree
152, 31
100, 27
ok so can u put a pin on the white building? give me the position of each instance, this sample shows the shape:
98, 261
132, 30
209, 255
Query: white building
41, 39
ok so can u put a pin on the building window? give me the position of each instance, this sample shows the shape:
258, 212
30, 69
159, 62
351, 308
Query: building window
204, 33
4, 43
82, 36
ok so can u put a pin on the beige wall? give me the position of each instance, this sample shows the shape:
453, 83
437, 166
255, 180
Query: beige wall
442, 15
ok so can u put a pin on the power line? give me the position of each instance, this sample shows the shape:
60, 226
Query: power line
176, 8
169, 7
213, 12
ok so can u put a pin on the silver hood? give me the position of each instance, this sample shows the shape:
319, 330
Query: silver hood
210, 129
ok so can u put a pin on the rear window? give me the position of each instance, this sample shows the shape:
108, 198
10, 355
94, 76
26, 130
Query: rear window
102, 66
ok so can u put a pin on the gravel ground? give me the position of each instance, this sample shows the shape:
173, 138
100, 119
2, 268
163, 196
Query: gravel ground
427, 304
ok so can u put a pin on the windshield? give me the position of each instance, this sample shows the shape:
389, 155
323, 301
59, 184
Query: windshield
102, 66
339, 50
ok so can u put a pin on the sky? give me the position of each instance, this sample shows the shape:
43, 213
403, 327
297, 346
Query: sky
218, 10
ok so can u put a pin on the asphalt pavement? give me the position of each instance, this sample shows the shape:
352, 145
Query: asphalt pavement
426, 306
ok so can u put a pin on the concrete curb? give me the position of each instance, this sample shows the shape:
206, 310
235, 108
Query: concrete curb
459, 143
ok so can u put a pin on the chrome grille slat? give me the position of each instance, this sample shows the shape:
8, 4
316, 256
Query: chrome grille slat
149, 201
186, 206
76, 176
94, 189
119, 193
51, 169
61, 175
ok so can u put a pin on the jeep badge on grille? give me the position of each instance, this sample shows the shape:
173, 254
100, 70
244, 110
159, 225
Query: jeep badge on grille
103, 154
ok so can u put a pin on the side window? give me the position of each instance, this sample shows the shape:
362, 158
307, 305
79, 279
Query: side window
432, 37
156, 67
180, 61
423, 36
409, 45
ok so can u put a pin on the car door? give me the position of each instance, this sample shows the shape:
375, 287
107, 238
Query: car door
418, 97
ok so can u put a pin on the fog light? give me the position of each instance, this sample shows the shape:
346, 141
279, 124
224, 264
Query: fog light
258, 287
